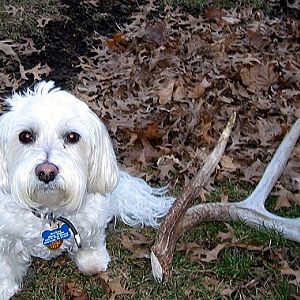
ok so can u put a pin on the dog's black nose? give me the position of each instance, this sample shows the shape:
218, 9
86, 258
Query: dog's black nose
46, 172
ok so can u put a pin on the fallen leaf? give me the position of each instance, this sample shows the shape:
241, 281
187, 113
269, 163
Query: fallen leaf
200, 88
247, 246
166, 165
214, 13
228, 291
94, 3
253, 172
284, 197
179, 93
224, 198
268, 130
156, 32
149, 131
113, 286
74, 292
210, 283
38, 71
212, 255
227, 163
231, 20
256, 39
199, 253
165, 94
7, 47
294, 4
13, 10
198, 91
137, 244
28, 47
115, 43
287, 270
43, 21
227, 236
259, 77
148, 153
188, 247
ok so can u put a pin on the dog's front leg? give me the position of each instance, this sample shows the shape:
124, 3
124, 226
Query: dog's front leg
93, 257
14, 261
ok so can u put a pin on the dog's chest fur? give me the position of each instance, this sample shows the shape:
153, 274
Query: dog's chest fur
22, 225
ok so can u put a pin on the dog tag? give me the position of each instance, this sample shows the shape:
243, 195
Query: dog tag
54, 238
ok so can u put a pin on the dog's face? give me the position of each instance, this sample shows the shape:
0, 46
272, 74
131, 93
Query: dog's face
54, 150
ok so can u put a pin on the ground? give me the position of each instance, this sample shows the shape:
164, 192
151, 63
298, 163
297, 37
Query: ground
165, 76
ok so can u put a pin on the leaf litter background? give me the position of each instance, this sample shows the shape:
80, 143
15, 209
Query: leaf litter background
166, 86
165, 83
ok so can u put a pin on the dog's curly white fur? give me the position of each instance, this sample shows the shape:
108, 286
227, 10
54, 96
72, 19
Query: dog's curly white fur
50, 130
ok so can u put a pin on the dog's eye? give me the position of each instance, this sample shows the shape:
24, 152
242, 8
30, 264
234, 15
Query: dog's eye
72, 137
26, 137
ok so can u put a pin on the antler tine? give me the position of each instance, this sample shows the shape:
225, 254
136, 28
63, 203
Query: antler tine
275, 168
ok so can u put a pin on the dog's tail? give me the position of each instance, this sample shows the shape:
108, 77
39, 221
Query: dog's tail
138, 204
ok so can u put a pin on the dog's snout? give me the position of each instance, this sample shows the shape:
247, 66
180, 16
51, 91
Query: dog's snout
46, 172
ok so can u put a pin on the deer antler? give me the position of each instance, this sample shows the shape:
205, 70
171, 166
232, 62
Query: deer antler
170, 229
252, 210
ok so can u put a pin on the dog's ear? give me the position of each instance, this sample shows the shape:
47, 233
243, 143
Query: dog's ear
3, 173
103, 167
4, 183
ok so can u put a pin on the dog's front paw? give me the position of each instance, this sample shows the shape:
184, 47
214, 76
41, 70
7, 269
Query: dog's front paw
92, 261
8, 289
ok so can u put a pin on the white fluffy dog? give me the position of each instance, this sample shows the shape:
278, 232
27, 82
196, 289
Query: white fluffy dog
60, 185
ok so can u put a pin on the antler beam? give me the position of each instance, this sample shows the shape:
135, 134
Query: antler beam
169, 232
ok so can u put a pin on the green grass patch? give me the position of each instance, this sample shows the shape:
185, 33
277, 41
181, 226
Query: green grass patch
269, 237
234, 267
204, 232
236, 191
19, 18
235, 264
284, 291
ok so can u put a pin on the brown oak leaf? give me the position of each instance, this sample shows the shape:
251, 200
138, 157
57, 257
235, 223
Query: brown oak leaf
166, 93
74, 292
137, 244
259, 77
114, 286
156, 32
285, 197
287, 270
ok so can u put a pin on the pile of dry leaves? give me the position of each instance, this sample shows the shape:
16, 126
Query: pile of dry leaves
166, 86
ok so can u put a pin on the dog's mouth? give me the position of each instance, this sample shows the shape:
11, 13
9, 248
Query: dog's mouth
51, 194
55, 185
54, 197
47, 188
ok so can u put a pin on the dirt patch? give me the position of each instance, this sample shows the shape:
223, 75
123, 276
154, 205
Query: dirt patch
65, 39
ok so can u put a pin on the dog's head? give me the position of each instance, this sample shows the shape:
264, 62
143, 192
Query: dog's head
54, 150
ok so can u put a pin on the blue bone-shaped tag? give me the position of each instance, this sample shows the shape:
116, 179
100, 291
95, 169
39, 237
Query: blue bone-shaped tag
54, 235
